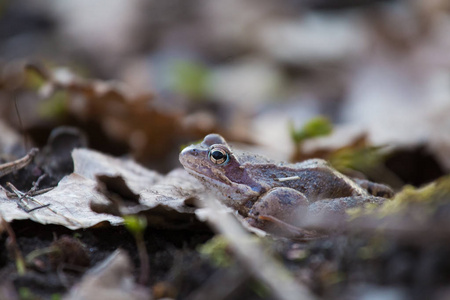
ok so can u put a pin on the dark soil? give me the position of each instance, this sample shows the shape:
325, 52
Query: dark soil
173, 256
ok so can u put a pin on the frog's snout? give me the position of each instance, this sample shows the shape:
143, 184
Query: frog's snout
188, 154
189, 151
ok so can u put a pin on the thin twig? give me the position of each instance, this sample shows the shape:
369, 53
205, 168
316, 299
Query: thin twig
22, 195
259, 263
31, 194
19, 163
38, 207
37, 183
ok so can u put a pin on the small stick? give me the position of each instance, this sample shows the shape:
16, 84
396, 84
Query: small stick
33, 191
38, 207
23, 196
259, 263
18, 164
31, 194
36, 183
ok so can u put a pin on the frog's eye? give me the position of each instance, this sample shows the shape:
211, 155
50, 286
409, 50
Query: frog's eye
218, 156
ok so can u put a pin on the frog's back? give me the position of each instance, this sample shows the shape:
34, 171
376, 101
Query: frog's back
248, 158
315, 178
312, 164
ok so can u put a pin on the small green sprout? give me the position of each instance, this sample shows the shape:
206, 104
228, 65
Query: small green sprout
137, 225
319, 126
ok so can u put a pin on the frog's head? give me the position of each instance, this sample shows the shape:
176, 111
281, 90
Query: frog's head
217, 167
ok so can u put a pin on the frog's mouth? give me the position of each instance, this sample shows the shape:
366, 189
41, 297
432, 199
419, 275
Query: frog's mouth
224, 191
203, 177
209, 177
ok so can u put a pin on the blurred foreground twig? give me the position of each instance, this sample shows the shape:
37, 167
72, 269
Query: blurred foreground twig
254, 257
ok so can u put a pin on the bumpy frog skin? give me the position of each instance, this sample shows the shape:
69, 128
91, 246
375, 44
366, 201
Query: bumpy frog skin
257, 186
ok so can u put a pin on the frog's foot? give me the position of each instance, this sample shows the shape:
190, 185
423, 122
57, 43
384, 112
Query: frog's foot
375, 189
283, 204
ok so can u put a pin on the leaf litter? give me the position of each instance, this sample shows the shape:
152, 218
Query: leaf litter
398, 252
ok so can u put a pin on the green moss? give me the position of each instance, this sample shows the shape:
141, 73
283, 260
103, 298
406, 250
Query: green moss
427, 199
358, 211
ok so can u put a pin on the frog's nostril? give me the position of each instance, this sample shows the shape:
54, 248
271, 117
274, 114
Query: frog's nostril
194, 152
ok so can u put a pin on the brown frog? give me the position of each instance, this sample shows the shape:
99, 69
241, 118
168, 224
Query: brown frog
264, 191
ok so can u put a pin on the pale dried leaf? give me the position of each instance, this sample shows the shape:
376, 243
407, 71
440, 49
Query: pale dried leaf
88, 164
164, 199
168, 203
69, 205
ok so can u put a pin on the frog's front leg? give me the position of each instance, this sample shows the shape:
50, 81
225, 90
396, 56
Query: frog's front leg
281, 203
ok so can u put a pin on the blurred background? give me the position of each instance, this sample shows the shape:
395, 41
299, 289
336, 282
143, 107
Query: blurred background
145, 77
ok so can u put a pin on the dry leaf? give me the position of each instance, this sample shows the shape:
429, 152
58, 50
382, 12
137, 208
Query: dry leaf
69, 205
168, 203
166, 200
